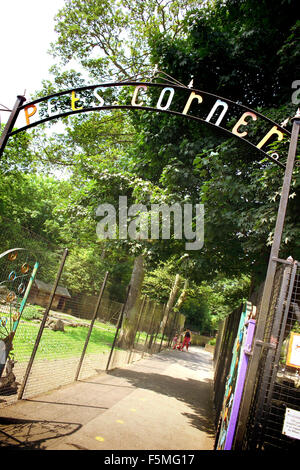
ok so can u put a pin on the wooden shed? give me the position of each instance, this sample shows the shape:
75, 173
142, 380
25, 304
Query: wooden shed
40, 294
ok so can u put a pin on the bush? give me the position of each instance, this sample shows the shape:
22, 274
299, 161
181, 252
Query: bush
32, 312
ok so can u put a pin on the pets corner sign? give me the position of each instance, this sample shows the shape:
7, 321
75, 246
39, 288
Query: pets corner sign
233, 118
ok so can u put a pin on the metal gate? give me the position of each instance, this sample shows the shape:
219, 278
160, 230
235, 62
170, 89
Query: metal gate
274, 418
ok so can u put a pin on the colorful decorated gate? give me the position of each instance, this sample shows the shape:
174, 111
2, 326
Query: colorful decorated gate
236, 378
18, 269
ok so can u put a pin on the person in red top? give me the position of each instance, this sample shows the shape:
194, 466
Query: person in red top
186, 340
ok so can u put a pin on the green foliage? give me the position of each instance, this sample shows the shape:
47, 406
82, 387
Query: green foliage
111, 38
197, 314
158, 283
206, 303
32, 312
225, 295
236, 49
30, 200
17, 156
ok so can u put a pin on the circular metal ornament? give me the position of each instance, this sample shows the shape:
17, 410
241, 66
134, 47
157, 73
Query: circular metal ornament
21, 288
24, 268
12, 276
10, 297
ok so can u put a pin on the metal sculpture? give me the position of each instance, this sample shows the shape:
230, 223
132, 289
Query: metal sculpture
18, 269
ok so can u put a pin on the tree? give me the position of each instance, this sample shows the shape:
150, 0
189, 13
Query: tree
244, 50
111, 38
133, 302
18, 155
236, 49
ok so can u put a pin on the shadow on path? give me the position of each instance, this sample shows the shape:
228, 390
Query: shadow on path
23, 434
189, 383
197, 394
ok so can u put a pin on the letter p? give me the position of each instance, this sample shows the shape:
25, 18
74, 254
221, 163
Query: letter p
29, 114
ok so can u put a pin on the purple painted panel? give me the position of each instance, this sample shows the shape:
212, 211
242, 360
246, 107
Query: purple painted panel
239, 385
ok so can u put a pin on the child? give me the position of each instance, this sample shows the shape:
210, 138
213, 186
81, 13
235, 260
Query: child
186, 340
179, 342
175, 340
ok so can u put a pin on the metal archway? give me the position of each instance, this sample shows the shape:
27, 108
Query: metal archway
174, 99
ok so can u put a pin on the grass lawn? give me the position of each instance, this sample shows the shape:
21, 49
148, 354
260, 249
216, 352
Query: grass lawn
57, 344
60, 344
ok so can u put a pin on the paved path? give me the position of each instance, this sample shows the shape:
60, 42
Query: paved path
162, 402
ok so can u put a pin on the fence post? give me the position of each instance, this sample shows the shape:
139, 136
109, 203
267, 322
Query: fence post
162, 338
159, 323
173, 329
120, 319
92, 324
145, 309
10, 123
39, 335
153, 330
137, 327
149, 328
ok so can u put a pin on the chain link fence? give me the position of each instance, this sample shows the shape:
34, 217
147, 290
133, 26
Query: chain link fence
277, 390
273, 421
62, 335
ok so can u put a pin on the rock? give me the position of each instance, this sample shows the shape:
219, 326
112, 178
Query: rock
8, 382
57, 325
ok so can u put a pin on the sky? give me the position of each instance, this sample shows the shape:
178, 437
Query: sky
26, 31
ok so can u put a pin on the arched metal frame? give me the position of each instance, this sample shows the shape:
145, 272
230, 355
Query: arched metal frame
193, 94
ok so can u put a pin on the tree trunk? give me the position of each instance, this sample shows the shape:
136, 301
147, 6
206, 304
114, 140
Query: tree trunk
182, 296
171, 301
127, 332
